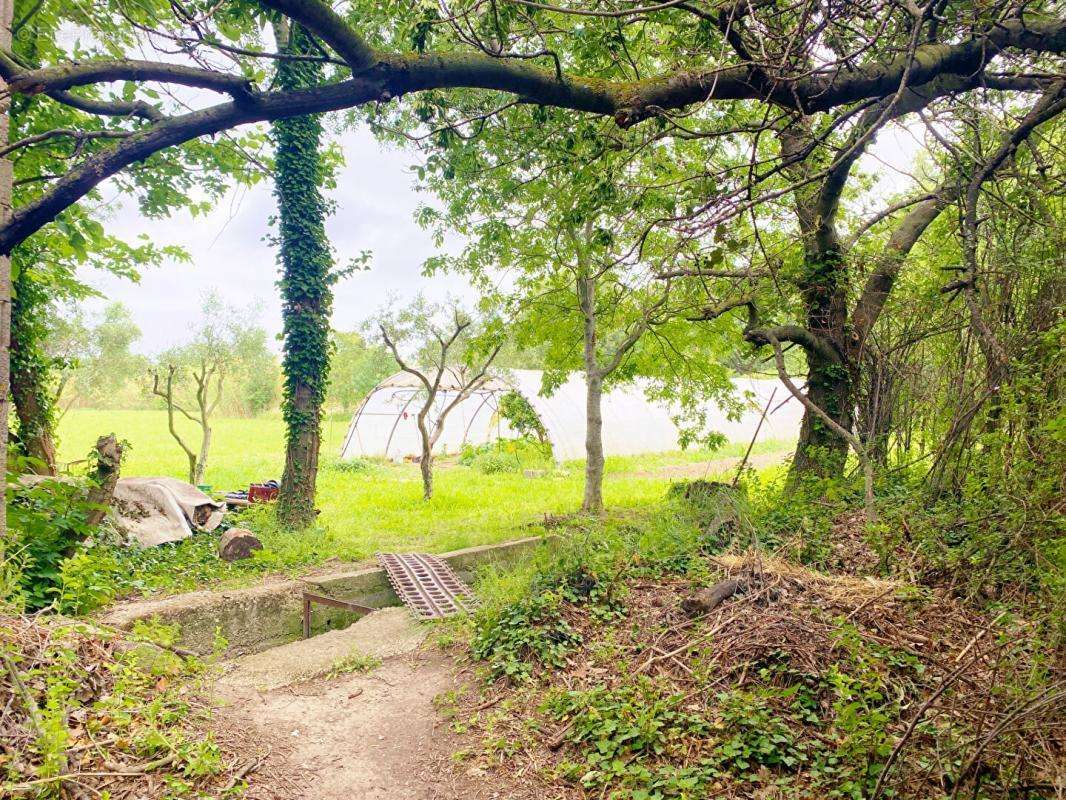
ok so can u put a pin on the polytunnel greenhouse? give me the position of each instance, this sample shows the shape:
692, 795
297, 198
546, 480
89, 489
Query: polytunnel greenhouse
385, 424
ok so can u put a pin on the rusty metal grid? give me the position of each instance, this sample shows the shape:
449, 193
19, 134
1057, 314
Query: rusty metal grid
427, 585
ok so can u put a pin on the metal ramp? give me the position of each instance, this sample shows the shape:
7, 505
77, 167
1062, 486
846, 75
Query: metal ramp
427, 585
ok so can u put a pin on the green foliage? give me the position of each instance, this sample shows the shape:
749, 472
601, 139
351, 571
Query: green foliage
624, 733
129, 703
46, 521
307, 275
521, 416
354, 662
506, 455
356, 466
356, 367
524, 634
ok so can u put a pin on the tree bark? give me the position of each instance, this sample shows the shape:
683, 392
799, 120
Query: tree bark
821, 452
426, 462
592, 503
201, 461
108, 464
35, 434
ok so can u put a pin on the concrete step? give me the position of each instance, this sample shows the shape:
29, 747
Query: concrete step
381, 635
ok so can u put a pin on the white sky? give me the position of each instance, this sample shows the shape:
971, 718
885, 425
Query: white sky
375, 205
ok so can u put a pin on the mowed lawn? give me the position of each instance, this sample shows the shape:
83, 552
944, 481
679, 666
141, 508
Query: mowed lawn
381, 508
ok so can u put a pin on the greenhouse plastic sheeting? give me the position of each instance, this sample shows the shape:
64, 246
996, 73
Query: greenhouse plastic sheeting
386, 423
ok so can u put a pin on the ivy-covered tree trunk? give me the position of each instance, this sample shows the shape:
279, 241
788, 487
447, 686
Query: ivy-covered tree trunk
31, 391
305, 285
6, 14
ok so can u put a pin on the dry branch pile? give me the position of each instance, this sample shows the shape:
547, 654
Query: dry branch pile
86, 713
798, 684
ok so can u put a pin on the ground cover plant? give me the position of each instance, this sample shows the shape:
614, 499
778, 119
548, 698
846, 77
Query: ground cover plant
603, 679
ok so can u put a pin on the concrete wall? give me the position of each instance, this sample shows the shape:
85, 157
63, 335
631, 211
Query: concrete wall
270, 614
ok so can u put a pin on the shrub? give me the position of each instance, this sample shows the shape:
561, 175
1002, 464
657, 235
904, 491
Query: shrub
505, 455
46, 521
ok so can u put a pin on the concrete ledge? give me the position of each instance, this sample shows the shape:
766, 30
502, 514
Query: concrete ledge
264, 616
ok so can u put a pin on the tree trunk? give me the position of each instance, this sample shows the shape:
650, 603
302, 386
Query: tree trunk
6, 9
31, 368
201, 462
426, 465
305, 284
593, 499
820, 452
105, 477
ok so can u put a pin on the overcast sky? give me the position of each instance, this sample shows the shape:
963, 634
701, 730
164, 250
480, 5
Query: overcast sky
375, 205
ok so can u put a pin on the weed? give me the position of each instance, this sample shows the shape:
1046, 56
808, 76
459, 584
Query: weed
354, 662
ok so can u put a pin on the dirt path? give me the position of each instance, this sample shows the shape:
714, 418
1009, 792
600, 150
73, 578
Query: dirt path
362, 737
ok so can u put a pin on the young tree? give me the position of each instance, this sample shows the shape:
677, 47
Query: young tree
450, 353
190, 379
207, 374
578, 258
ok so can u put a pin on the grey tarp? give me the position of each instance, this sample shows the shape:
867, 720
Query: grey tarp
154, 511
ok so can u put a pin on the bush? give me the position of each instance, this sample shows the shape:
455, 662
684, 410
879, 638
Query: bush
506, 455
46, 522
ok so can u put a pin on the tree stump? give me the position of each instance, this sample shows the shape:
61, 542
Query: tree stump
105, 476
237, 543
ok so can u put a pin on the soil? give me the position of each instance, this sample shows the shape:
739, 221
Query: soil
369, 736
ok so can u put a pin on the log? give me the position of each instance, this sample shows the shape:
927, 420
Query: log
237, 543
105, 476
705, 601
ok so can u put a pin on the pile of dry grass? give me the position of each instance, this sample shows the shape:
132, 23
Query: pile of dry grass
978, 703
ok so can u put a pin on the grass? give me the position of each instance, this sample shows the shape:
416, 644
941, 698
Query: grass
362, 511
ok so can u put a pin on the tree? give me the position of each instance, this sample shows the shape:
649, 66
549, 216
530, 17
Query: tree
581, 256
190, 379
454, 354
45, 266
207, 374
306, 280
110, 365
874, 52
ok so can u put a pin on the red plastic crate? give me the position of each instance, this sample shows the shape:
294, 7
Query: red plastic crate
259, 493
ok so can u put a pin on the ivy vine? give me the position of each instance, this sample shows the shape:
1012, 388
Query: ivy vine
306, 277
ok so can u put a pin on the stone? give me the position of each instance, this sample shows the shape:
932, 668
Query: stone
237, 543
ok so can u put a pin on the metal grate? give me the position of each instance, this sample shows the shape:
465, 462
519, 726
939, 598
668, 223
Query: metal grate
426, 584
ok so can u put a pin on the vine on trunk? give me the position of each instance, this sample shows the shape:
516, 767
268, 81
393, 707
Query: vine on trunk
306, 285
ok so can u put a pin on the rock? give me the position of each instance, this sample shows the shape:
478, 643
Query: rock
237, 543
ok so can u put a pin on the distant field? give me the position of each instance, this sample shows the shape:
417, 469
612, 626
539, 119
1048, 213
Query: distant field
363, 512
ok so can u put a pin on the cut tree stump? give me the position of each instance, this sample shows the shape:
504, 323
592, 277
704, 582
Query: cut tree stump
237, 543
105, 476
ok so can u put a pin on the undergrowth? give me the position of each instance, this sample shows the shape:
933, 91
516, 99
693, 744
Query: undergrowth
121, 714
805, 685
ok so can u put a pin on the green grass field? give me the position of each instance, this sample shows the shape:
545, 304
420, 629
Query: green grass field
379, 508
